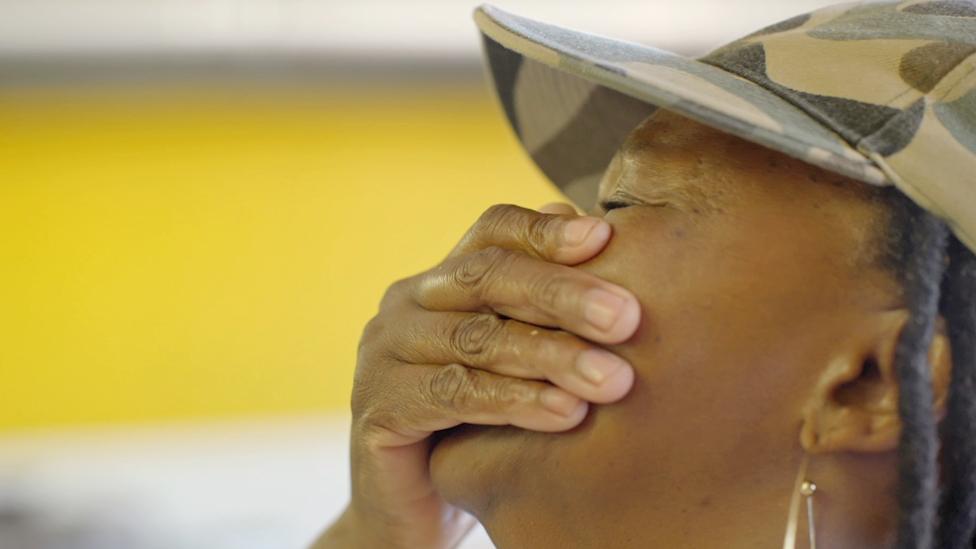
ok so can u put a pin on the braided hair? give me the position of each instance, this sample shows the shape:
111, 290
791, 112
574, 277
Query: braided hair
959, 430
938, 277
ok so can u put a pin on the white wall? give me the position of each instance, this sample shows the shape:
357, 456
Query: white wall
438, 28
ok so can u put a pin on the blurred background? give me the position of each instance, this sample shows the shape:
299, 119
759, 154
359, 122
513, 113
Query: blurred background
201, 203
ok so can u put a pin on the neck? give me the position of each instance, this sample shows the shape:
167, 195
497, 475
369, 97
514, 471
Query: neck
854, 507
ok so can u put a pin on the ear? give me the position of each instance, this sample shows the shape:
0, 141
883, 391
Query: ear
854, 405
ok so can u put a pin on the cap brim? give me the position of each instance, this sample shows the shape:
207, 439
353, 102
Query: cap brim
573, 97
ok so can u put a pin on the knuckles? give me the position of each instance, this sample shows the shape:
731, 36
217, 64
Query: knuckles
497, 218
458, 389
549, 292
372, 331
452, 387
476, 335
510, 393
541, 234
476, 270
395, 292
375, 343
557, 347
537, 231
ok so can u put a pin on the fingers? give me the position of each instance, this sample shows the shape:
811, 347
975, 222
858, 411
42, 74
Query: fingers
439, 353
565, 238
531, 290
512, 348
433, 398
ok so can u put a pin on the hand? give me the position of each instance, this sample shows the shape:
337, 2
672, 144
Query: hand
499, 333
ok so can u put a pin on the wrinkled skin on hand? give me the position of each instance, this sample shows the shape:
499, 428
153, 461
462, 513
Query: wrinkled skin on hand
503, 332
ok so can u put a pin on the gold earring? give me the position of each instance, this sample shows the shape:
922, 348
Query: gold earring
802, 489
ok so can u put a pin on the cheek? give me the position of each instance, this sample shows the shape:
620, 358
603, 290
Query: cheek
710, 292
708, 354
654, 253
648, 249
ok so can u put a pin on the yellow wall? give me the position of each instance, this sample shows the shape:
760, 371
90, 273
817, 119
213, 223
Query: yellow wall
185, 254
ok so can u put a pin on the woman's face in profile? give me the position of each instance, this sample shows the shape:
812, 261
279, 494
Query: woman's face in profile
750, 268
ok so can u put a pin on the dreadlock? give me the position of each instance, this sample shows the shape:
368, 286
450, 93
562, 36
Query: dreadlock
938, 276
925, 236
959, 430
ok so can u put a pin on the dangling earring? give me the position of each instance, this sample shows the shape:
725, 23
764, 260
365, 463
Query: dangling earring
802, 489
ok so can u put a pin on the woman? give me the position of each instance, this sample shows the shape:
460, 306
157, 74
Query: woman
772, 308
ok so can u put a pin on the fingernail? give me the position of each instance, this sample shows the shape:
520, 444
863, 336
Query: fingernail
602, 308
559, 401
576, 231
596, 365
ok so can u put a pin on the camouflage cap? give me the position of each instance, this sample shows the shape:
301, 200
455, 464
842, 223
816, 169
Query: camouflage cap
883, 92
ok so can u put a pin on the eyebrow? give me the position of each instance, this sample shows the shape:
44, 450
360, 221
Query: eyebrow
683, 196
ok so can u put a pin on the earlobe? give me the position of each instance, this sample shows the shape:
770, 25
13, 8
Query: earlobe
854, 404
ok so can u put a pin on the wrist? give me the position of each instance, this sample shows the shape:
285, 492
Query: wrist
345, 532
354, 529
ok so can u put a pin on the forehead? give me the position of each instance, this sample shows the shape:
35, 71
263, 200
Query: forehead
673, 155
670, 153
665, 128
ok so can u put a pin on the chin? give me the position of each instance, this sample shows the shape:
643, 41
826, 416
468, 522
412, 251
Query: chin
471, 465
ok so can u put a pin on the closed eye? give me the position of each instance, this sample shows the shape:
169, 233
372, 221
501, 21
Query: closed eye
608, 205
